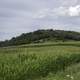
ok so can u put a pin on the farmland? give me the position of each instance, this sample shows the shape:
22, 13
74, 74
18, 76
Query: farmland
41, 61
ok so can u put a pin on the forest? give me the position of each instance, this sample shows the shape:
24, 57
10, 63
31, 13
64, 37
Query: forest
40, 36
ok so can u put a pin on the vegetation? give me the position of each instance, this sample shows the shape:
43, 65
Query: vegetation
43, 61
41, 55
41, 36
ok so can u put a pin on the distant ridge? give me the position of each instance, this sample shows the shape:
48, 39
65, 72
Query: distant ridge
40, 36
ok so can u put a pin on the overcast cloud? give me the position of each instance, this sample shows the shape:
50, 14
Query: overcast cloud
21, 16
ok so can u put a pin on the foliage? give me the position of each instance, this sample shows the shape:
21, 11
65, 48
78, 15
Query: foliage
41, 36
32, 63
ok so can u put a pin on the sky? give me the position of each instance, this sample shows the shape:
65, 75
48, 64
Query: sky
22, 16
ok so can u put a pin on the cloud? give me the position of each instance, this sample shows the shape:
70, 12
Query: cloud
68, 11
42, 13
19, 16
71, 11
74, 11
69, 2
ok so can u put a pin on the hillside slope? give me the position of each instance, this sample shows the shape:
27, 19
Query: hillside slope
59, 62
42, 36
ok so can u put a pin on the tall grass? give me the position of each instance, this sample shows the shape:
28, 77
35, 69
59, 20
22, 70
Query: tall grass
31, 67
32, 63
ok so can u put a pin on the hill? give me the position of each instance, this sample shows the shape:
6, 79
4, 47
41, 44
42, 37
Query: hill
39, 62
40, 36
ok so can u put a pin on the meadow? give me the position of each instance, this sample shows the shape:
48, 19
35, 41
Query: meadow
42, 61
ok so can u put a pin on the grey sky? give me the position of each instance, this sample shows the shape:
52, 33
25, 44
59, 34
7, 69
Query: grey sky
19, 16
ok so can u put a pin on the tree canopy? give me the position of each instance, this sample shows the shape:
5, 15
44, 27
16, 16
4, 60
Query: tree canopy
41, 36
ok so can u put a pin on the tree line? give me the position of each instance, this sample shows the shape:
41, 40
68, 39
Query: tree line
41, 36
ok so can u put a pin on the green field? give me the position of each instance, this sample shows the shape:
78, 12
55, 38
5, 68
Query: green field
43, 61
